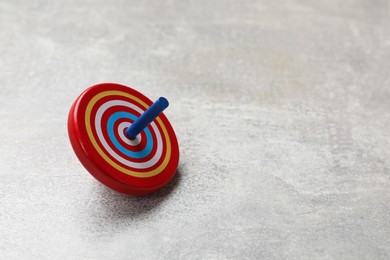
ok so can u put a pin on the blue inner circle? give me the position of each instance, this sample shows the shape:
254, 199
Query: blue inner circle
110, 129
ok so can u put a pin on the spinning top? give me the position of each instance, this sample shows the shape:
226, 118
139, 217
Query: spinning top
123, 139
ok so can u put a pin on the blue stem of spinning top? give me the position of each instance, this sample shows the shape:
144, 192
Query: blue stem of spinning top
147, 117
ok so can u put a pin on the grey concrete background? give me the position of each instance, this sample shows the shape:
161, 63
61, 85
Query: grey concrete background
281, 109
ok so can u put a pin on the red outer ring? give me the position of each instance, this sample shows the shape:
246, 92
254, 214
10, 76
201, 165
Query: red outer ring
97, 166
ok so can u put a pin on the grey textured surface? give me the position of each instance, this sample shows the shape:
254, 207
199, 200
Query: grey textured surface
281, 109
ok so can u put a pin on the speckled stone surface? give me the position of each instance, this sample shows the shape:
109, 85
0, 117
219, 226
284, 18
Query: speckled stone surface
281, 108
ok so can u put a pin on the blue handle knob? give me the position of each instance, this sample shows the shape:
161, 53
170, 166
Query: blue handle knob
147, 117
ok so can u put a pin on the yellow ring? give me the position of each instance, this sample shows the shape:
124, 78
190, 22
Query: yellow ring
108, 159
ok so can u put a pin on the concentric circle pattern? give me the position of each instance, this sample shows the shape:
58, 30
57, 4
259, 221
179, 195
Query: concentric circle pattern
111, 150
97, 124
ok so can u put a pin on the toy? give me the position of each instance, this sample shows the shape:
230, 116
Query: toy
122, 138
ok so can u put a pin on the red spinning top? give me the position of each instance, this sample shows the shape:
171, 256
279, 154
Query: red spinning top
123, 139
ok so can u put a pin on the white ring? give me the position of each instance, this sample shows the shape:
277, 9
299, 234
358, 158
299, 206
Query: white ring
132, 142
137, 165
